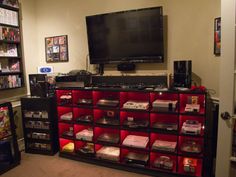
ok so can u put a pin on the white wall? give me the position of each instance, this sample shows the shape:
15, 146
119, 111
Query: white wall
29, 35
189, 33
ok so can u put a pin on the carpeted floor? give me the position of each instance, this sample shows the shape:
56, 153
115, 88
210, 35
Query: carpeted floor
54, 166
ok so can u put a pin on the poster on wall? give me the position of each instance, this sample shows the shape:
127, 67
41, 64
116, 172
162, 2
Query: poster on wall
217, 36
56, 49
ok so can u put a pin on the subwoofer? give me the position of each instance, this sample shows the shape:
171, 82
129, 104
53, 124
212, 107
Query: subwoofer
38, 85
182, 73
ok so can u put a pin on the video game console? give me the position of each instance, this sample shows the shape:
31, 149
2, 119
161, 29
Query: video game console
139, 105
85, 118
136, 159
109, 153
67, 116
191, 127
164, 162
136, 141
161, 145
134, 123
165, 126
85, 101
191, 146
109, 138
190, 165
108, 103
87, 149
108, 121
86, 135
164, 105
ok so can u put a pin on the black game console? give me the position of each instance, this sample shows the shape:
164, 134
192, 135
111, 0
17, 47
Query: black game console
136, 159
165, 126
109, 138
108, 121
87, 149
69, 133
136, 123
85, 101
108, 103
85, 118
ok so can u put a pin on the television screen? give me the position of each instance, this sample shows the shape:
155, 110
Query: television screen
127, 36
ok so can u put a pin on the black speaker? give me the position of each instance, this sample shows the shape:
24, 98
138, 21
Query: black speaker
38, 85
182, 73
126, 67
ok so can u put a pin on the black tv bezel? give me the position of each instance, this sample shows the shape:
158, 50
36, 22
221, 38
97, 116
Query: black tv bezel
142, 59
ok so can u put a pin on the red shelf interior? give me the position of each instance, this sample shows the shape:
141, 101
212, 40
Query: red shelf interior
99, 130
123, 97
184, 101
97, 95
77, 112
125, 133
163, 118
155, 155
97, 147
63, 110
81, 94
98, 113
125, 151
59, 93
137, 116
135, 96
198, 171
183, 118
79, 128
63, 127
183, 139
79, 144
162, 137
63, 142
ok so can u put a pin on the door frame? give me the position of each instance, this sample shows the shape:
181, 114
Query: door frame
226, 87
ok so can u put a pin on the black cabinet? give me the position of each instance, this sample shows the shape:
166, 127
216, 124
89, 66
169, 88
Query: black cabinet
40, 125
9, 151
158, 133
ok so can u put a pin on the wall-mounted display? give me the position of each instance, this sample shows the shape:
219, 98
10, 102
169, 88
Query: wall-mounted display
217, 36
56, 49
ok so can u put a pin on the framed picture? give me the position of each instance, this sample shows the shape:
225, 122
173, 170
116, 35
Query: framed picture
217, 36
56, 49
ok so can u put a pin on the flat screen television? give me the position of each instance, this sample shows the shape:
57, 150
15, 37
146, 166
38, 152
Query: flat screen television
133, 36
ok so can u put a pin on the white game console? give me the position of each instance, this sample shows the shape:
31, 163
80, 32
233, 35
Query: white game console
165, 105
140, 105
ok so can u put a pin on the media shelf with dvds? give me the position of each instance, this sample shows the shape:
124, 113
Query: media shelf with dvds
39, 125
149, 132
11, 67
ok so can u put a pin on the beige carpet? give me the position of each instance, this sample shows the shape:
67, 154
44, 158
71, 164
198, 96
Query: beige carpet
54, 166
